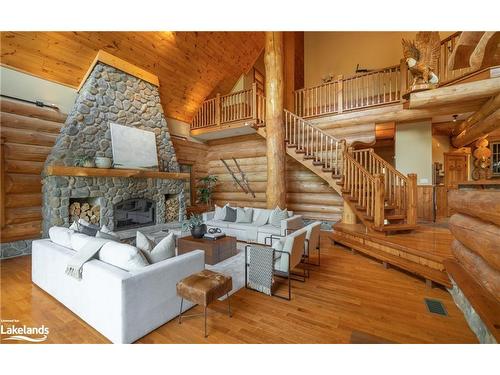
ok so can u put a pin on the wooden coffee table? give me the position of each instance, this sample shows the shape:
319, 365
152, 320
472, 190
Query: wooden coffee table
215, 250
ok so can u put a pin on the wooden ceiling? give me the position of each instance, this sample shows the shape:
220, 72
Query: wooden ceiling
190, 65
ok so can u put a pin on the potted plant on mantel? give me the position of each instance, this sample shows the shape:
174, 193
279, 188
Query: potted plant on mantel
195, 225
206, 186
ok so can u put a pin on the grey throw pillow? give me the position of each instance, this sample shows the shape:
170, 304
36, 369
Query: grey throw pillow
230, 214
244, 215
276, 216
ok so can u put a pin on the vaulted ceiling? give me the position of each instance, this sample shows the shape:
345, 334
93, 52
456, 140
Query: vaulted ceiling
190, 65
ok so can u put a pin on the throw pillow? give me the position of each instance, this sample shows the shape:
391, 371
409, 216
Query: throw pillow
61, 236
107, 234
86, 228
143, 242
276, 216
244, 215
123, 256
230, 214
164, 250
262, 218
220, 212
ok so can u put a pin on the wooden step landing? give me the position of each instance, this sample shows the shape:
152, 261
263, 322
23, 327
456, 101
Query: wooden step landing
421, 252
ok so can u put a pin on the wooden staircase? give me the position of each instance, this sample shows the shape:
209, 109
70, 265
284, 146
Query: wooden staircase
380, 196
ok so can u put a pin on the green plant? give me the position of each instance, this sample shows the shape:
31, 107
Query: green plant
194, 221
206, 187
80, 161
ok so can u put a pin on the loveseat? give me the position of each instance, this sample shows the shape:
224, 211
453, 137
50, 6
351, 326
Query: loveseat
121, 305
256, 231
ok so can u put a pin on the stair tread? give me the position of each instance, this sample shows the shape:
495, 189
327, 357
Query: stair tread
396, 227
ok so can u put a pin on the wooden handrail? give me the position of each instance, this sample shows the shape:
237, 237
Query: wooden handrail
236, 106
314, 143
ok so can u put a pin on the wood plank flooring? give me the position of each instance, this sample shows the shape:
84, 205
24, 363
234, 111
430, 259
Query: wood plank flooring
349, 294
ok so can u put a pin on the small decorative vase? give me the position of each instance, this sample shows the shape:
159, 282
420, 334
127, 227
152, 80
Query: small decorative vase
102, 162
199, 231
88, 164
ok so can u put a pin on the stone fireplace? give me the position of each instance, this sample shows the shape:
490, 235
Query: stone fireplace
111, 95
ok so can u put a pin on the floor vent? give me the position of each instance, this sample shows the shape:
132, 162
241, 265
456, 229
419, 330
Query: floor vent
435, 307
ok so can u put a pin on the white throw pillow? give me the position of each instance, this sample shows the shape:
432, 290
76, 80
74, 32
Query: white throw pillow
244, 215
262, 218
123, 256
276, 216
220, 212
143, 242
105, 233
61, 236
164, 250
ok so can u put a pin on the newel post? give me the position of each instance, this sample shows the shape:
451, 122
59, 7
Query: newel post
403, 71
254, 100
217, 110
340, 92
378, 219
411, 204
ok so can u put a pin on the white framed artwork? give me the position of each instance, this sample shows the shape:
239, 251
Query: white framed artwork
133, 148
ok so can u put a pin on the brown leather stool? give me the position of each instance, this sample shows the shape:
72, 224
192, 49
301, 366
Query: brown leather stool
203, 288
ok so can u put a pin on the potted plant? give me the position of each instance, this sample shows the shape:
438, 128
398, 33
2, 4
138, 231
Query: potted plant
206, 187
195, 225
84, 161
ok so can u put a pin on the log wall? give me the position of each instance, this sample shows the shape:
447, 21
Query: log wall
307, 194
28, 134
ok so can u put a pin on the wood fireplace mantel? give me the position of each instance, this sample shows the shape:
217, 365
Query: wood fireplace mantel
56, 170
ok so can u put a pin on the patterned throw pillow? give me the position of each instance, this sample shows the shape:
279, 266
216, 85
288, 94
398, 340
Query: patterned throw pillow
220, 212
230, 214
244, 215
276, 216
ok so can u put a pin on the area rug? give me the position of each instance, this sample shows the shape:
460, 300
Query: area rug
234, 267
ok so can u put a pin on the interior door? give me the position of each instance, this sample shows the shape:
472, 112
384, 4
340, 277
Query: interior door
455, 171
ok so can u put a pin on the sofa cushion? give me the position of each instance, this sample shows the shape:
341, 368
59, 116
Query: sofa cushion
241, 226
61, 236
244, 215
155, 253
269, 229
276, 216
230, 214
122, 255
220, 212
261, 217
217, 223
79, 240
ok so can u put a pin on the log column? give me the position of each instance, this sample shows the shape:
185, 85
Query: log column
275, 130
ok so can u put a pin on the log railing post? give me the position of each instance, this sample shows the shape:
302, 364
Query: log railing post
254, 101
403, 70
218, 111
411, 196
378, 219
340, 94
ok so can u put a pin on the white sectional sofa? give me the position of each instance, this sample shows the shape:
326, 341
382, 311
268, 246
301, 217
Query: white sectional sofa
123, 306
253, 232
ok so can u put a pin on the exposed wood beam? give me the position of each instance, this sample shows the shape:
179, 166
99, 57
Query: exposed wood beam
454, 94
275, 139
393, 113
488, 108
487, 51
478, 130
466, 44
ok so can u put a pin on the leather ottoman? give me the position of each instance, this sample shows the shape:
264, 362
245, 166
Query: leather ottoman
203, 288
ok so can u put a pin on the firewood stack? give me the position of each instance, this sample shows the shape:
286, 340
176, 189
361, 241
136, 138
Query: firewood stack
85, 211
172, 209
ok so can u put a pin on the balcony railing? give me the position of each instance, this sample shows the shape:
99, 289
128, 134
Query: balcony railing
356, 92
246, 105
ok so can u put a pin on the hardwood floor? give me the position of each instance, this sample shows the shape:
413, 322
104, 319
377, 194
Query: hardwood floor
348, 296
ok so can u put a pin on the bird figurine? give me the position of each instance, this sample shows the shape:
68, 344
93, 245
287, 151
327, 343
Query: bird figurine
422, 57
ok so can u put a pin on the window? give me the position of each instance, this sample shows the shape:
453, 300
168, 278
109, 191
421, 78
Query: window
187, 168
495, 158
